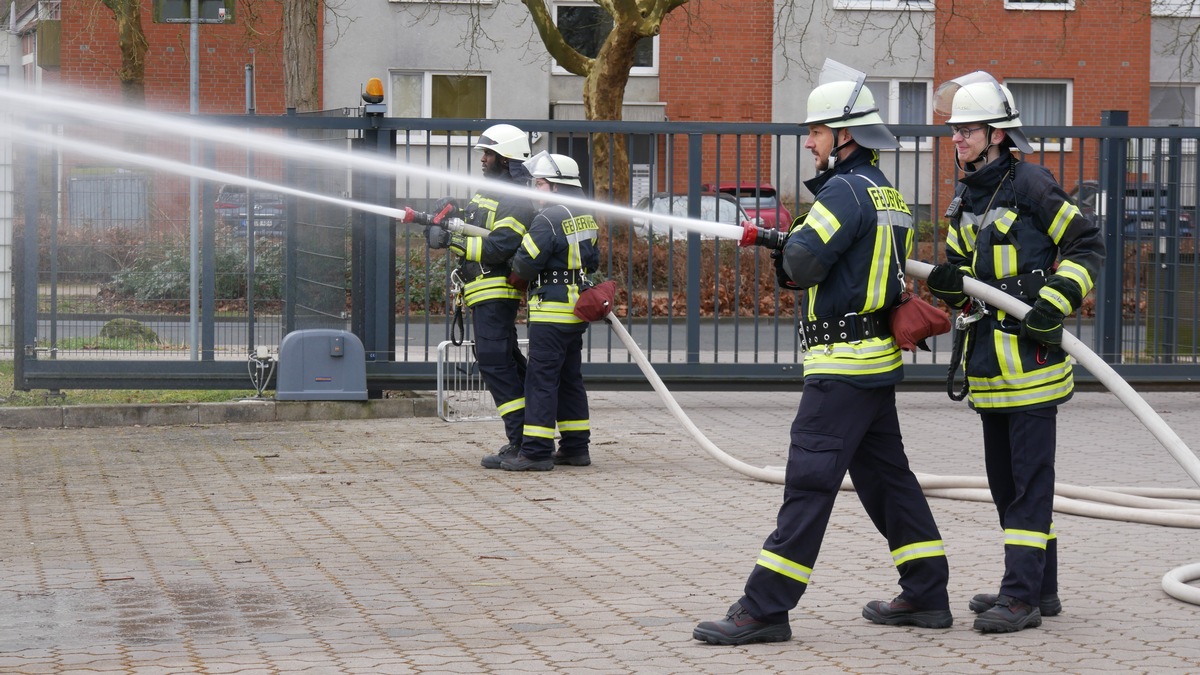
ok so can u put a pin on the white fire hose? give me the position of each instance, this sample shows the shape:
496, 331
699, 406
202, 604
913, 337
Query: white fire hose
1137, 505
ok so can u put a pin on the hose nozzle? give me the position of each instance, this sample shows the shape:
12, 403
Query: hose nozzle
753, 235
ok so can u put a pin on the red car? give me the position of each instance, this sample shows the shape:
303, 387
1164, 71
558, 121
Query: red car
759, 201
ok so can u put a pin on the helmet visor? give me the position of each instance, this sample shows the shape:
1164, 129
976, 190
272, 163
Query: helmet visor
943, 98
832, 71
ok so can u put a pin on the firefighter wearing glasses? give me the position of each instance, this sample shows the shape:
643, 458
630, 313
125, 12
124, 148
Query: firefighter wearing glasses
1014, 228
842, 253
484, 267
555, 258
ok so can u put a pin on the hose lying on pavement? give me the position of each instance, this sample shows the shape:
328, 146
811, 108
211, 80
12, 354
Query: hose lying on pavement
1136, 505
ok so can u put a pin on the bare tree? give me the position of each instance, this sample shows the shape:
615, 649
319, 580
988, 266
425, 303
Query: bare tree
301, 54
133, 45
300, 46
605, 77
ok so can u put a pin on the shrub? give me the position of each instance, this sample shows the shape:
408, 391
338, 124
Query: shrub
163, 272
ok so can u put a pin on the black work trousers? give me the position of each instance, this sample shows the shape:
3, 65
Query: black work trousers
501, 363
840, 427
554, 393
1018, 451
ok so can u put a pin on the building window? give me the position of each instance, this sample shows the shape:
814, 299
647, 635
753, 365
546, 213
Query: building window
894, 5
1043, 104
585, 27
439, 95
904, 102
1174, 8
1052, 5
1173, 105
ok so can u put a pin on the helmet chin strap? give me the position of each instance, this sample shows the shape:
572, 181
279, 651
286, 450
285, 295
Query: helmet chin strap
833, 154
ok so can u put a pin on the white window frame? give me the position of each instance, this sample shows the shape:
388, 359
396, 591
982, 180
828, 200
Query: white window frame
893, 89
427, 104
886, 5
1043, 6
1063, 145
636, 71
1176, 9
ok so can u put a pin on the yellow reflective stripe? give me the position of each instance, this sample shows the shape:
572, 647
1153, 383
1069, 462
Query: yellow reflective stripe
986, 394
922, 549
822, 221
1008, 356
536, 316
489, 288
485, 203
1053, 534
1057, 299
512, 224
776, 563
538, 432
474, 249
1058, 226
1002, 223
1004, 261
1025, 538
530, 246
574, 425
511, 406
869, 357
953, 243
1077, 273
881, 263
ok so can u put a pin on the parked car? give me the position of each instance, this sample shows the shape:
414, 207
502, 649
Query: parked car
715, 207
1145, 209
760, 201
269, 210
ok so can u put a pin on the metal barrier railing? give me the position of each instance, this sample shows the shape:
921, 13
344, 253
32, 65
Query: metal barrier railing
707, 312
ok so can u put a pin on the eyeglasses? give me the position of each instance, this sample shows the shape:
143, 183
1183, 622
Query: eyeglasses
965, 132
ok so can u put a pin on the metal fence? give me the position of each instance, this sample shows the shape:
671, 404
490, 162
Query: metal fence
114, 288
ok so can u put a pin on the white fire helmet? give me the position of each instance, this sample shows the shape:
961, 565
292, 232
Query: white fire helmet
978, 97
505, 140
554, 168
842, 100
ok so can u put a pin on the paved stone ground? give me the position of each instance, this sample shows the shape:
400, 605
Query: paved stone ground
381, 546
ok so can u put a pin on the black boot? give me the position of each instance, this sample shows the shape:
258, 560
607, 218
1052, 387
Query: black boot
739, 628
1008, 615
900, 612
493, 461
1048, 605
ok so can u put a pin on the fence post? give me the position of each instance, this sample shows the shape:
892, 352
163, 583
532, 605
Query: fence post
695, 166
1111, 197
1170, 250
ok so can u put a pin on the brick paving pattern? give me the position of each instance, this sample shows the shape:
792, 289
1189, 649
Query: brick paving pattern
381, 546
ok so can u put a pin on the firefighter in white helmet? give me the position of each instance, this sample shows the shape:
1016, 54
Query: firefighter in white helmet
484, 266
1014, 228
555, 260
845, 254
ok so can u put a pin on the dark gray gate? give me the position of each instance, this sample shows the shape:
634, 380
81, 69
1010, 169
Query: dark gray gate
707, 312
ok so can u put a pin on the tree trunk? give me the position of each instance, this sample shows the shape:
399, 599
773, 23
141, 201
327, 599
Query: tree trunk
603, 93
132, 41
300, 54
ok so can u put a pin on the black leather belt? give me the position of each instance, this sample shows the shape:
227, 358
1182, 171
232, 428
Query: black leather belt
852, 328
1025, 286
559, 277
